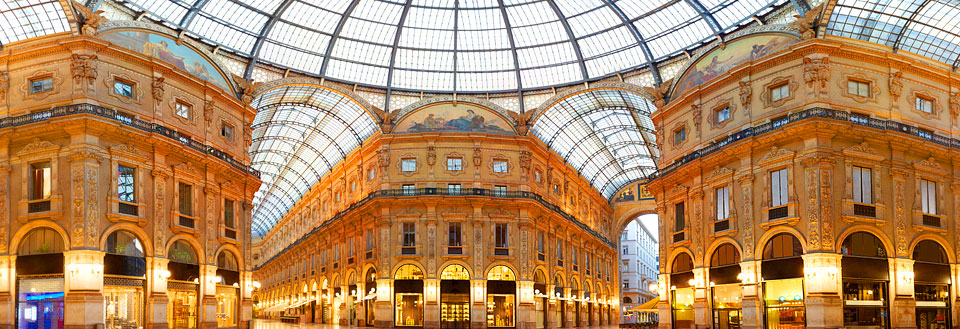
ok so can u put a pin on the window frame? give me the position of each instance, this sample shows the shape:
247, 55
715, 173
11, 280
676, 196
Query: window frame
45, 88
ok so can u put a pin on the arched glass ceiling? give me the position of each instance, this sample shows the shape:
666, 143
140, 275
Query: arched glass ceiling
23, 19
299, 134
606, 134
929, 28
456, 45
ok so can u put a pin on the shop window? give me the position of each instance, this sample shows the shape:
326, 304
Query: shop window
455, 238
783, 302
932, 285
408, 294
500, 166
500, 191
453, 189
226, 131
41, 85
859, 88
779, 92
501, 239
454, 164
123, 88
183, 110
722, 114
126, 190
408, 165
924, 104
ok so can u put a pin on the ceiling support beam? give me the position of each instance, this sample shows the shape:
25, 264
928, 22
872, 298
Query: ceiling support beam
707, 16
896, 43
802, 6
643, 43
255, 51
188, 17
336, 35
393, 53
513, 48
573, 39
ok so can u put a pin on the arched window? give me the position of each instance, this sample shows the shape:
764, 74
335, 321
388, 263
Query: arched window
124, 243
725, 255
863, 244
929, 251
782, 245
682, 263
41, 241
627, 300
455, 272
501, 273
182, 252
408, 272
538, 277
931, 270
227, 261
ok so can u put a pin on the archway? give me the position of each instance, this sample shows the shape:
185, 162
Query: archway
408, 296
865, 277
183, 286
725, 287
639, 254
540, 295
40, 280
228, 289
781, 271
455, 297
369, 296
124, 278
501, 297
682, 288
931, 285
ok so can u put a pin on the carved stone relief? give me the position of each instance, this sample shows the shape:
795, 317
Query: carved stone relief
896, 86
4, 87
816, 73
746, 182
4, 195
813, 211
84, 69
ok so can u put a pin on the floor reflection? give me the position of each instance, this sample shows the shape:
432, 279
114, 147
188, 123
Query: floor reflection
275, 324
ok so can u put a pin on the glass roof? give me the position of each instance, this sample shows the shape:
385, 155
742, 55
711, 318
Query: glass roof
299, 134
456, 45
929, 28
24, 19
606, 134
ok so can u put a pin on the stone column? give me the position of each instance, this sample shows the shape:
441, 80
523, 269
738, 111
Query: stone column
83, 283
478, 310
551, 319
903, 311
701, 311
663, 307
157, 275
822, 285
8, 274
383, 309
208, 293
570, 309
431, 307
526, 309
750, 302
246, 300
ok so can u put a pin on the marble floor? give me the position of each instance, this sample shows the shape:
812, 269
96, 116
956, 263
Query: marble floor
275, 324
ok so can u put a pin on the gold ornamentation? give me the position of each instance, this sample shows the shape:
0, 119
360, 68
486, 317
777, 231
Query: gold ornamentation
524, 120
746, 187
247, 88
826, 202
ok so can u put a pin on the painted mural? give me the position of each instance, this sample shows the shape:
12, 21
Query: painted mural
719, 61
462, 117
169, 51
635, 194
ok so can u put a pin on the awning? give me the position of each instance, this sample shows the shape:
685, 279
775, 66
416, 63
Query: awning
276, 308
300, 303
647, 307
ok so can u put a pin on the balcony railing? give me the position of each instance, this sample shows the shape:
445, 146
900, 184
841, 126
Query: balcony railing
126, 120
38, 206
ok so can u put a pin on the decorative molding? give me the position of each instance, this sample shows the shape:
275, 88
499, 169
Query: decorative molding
463, 163
38, 146
496, 158
4, 87
136, 92
918, 93
863, 150
172, 106
792, 86
896, 86
56, 82
84, 69
408, 156
746, 93
816, 74
717, 106
776, 154
843, 83
930, 166
673, 134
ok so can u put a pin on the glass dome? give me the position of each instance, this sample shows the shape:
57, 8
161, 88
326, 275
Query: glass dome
456, 45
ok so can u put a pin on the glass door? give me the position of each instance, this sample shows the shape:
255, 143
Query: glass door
40, 303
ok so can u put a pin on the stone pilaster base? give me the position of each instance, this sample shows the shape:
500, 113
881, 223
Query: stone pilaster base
824, 311
904, 313
208, 325
83, 310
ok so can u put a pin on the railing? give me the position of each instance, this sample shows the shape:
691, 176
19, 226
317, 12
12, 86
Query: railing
38, 206
126, 120
817, 112
430, 191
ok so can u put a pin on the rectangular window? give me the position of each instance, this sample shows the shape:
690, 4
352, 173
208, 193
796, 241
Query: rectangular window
409, 189
723, 202
858, 88
370, 239
500, 234
408, 165
679, 224
862, 185
925, 104
679, 135
500, 191
499, 166
779, 92
123, 88
409, 234
228, 213
183, 110
371, 174
40, 181
126, 184
454, 164
41, 85
778, 187
540, 238
226, 131
455, 232
723, 114
928, 196
573, 256
560, 250
186, 199
453, 189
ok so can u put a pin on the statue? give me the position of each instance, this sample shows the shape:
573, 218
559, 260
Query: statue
157, 89
247, 88
386, 119
806, 23
91, 19
660, 93
523, 121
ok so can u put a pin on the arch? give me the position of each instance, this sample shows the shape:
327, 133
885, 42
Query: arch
574, 284
558, 280
493, 107
227, 260
455, 272
877, 233
408, 271
197, 248
539, 277
676, 253
123, 242
236, 253
351, 277
765, 238
623, 86
634, 213
627, 300
18, 237
42, 240
132, 229
930, 251
683, 262
863, 244
721, 255
501, 273
181, 250
370, 273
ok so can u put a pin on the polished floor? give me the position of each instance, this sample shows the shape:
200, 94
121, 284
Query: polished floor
274, 324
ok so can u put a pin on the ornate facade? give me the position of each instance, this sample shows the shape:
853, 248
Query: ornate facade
812, 187
124, 196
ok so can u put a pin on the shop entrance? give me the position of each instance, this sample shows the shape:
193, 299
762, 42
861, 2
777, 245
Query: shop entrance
725, 291
39, 282
681, 274
455, 297
540, 298
931, 268
183, 288
865, 274
408, 296
124, 280
782, 273
501, 297
370, 297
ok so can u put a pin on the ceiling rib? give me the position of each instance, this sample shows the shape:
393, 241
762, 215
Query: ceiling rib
188, 17
643, 43
802, 6
573, 38
393, 52
707, 16
910, 21
335, 36
255, 52
513, 49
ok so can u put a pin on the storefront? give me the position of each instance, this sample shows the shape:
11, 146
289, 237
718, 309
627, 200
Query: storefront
455, 297
369, 297
782, 273
408, 296
351, 299
561, 301
228, 290
575, 294
124, 281
325, 306
725, 288
681, 291
540, 299
39, 283
931, 285
865, 274
501, 297
183, 287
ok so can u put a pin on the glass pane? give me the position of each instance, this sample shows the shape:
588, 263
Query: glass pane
409, 309
500, 310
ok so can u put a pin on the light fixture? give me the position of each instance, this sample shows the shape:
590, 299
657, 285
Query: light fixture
653, 287
256, 284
